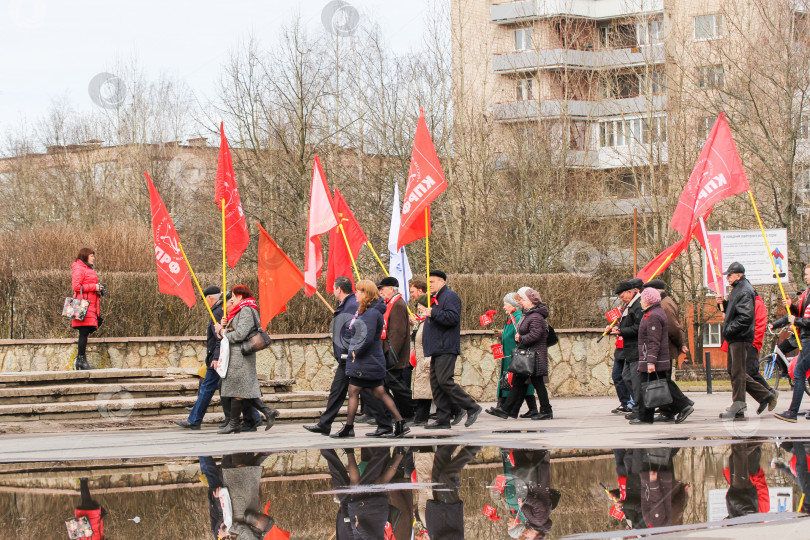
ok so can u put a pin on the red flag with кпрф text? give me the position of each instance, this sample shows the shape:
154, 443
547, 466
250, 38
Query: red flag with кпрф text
425, 182
237, 237
173, 276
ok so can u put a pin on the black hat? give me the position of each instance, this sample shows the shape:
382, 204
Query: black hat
438, 274
622, 287
656, 284
635, 283
212, 290
389, 281
735, 268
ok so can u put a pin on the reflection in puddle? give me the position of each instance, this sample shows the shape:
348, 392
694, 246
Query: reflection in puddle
441, 492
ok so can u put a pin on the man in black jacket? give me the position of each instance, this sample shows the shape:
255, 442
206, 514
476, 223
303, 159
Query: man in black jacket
441, 341
800, 316
627, 331
738, 332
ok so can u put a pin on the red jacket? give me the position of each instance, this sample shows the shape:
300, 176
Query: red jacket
760, 321
96, 521
84, 278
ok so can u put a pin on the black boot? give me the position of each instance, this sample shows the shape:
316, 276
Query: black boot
347, 431
226, 408
400, 429
269, 413
236, 418
81, 363
545, 413
531, 401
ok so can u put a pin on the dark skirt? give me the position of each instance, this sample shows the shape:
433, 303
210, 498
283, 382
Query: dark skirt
365, 383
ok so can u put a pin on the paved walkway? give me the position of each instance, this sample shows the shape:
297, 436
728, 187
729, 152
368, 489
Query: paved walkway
577, 423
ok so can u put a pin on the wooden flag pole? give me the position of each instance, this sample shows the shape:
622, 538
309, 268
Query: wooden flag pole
331, 309
194, 277
384, 269
224, 264
427, 252
773, 264
349, 249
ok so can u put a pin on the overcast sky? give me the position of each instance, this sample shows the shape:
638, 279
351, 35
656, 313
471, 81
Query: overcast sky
51, 49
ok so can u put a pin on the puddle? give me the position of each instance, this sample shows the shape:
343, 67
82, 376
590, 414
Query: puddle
451, 491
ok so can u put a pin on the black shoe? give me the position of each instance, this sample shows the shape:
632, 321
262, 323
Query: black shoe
81, 363
382, 431
400, 429
636, 421
543, 416
439, 425
317, 428
665, 418
186, 424
684, 414
766, 403
807, 416
458, 417
472, 416
346, 432
495, 411
419, 422
232, 427
787, 416
631, 416
621, 409
250, 426
529, 413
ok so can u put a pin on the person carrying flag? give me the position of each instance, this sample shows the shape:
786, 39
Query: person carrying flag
802, 322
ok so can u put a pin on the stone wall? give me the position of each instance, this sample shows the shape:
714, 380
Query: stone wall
579, 365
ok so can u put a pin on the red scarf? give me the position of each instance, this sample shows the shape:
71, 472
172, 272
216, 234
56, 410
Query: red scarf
388, 308
249, 301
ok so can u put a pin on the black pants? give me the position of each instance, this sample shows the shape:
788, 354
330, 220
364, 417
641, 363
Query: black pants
632, 380
337, 397
741, 380
422, 410
520, 383
84, 333
446, 392
679, 401
446, 470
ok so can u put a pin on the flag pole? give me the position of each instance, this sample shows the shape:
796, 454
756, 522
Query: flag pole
224, 263
349, 249
331, 309
385, 270
773, 264
427, 251
194, 277
710, 257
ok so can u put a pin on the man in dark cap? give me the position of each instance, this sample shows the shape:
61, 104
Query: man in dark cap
396, 342
209, 385
627, 330
441, 341
677, 345
738, 332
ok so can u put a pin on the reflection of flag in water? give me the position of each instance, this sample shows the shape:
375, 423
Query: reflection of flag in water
398, 265
778, 258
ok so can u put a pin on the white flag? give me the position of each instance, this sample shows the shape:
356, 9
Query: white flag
398, 265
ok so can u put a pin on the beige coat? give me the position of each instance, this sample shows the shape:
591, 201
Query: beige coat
420, 380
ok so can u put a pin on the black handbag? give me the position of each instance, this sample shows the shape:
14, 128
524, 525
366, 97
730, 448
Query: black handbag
656, 393
552, 338
391, 359
257, 340
522, 362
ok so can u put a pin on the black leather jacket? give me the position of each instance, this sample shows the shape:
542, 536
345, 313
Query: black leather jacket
738, 326
798, 309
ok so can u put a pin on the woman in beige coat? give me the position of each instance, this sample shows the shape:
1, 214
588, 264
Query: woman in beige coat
420, 379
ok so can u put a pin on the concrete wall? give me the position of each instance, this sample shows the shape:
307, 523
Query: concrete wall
579, 365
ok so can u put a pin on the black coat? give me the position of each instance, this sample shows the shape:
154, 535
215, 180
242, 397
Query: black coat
211, 338
366, 359
738, 326
628, 328
340, 321
653, 339
442, 332
802, 323
533, 330
445, 520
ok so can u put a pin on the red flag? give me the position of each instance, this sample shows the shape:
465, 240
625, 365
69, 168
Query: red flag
425, 182
279, 278
237, 237
718, 174
663, 260
277, 534
322, 219
339, 263
173, 276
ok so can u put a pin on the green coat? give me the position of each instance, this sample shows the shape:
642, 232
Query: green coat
508, 342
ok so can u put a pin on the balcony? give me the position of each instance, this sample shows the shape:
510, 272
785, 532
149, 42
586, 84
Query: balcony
569, 58
527, 10
521, 111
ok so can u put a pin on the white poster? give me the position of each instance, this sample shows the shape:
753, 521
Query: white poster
748, 248
781, 501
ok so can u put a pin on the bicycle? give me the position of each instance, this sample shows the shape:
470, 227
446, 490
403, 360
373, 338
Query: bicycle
775, 366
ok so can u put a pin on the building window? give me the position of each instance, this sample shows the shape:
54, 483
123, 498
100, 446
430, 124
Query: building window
710, 76
619, 36
704, 126
523, 89
711, 335
650, 33
523, 39
654, 82
708, 26
624, 132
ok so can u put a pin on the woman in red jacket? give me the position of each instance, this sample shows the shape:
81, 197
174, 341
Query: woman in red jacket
86, 285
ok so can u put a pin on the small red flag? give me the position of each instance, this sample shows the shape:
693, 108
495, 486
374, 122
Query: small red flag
663, 260
425, 182
718, 174
322, 219
173, 276
339, 263
279, 278
613, 314
237, 237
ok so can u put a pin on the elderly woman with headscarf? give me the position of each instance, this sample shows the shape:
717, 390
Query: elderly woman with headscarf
532, 333
513, 310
